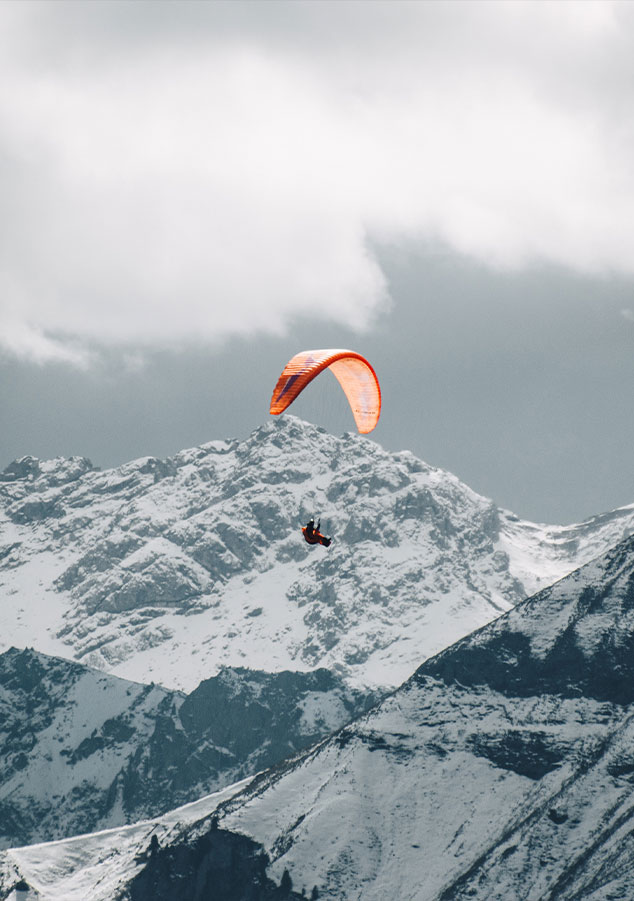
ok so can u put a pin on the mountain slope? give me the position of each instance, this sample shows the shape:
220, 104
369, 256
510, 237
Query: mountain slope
501, 769
81, 750
167, 570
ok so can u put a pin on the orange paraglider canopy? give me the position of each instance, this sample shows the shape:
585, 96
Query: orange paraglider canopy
352, 371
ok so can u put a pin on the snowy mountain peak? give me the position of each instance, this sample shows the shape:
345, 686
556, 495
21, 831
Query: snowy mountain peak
501, 769
166, 570
47, 473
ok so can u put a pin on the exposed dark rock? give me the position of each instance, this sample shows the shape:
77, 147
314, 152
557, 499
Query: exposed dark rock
162, 750
34, 511
527, 753
24, 468
219, 865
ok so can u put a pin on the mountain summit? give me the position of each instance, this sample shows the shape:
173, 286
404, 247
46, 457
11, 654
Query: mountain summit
167, 570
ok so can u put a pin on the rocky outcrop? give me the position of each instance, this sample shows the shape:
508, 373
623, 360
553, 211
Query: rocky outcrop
81, 750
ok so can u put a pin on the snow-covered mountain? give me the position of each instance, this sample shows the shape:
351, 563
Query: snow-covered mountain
168, 570
82, 750
502, 769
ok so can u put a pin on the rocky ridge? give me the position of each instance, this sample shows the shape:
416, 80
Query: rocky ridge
501, 769
166, 570
81, 750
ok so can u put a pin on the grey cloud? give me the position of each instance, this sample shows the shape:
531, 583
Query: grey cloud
186, 171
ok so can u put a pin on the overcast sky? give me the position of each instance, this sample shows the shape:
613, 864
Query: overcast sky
192, 192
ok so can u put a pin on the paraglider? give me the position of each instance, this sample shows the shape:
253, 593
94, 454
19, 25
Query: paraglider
353, 372
360, 385
313, 535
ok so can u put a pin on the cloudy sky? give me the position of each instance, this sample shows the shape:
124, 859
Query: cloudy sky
192, 192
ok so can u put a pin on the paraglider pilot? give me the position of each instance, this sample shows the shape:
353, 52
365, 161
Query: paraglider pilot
313, 535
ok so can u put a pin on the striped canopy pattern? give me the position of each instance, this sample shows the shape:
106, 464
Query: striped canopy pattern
353, 372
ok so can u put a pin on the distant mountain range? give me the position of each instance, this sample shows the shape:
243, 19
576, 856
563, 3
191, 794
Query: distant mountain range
168, 570
502, 769
81, 750
208, 642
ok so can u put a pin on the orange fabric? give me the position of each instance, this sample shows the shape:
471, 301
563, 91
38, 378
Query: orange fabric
353, 372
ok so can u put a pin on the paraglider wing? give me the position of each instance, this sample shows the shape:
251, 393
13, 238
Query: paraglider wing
352, 371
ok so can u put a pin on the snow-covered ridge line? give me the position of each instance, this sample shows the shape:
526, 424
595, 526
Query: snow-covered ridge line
166, 570
80, 749
501, 769
54, 869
